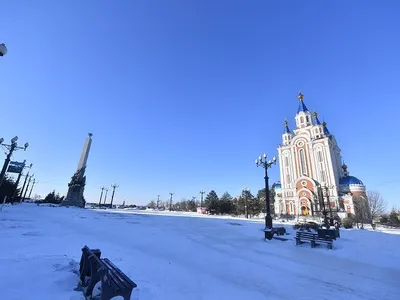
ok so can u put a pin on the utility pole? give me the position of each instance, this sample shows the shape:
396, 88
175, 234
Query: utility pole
170, 202
201, 201
11, 148
114, 186
27, 187
33, 184
101, 195
158, 201
105, 198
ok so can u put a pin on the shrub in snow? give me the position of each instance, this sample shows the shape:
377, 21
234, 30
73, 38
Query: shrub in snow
347, 223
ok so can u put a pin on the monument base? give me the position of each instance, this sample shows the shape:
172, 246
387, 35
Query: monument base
73, 202
75, 190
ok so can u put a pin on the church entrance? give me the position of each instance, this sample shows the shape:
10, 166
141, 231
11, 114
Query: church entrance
304, 208
305, 211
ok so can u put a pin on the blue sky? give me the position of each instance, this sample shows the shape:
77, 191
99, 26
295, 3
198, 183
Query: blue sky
184, 95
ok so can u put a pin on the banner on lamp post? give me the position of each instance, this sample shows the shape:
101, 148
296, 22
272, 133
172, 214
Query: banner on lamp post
15, 167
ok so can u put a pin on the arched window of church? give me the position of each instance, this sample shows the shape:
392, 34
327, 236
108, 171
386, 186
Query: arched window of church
303, 163
301, 120
307, 119
291, 206
323, 177
320, 158
286, 161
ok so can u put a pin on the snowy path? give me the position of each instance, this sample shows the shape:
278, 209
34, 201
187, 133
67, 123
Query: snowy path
190, 258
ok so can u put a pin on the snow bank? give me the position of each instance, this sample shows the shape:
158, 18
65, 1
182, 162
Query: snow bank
188, 257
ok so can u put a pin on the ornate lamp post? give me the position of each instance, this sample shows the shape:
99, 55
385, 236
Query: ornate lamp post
170, 202
3, 49
201, 201
324, 212
11, 148
101, 195
105, 197
261, 161
158, 201
114, 186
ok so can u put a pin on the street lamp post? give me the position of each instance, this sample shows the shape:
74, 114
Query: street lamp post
3, 49
201, 200
114, 186
101, 194
170, 202
158, 201
21, 192
325, 213
33, 184
27, 187
11, 148
261, 161
105, 197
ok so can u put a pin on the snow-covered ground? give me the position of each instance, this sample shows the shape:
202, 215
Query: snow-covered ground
185, 257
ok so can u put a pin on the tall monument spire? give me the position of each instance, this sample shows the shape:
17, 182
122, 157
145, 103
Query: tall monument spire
76, 187
85, 152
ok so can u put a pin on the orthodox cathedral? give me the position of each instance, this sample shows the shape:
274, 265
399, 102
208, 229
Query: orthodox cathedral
313, 176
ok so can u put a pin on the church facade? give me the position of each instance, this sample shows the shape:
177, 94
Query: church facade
313, 175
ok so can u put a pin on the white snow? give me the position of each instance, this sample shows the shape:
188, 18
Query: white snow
185, 257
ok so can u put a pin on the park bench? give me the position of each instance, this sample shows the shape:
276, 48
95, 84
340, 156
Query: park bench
313, 238
113, 281
326, 239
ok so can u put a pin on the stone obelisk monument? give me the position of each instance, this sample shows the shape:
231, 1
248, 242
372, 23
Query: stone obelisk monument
77, 185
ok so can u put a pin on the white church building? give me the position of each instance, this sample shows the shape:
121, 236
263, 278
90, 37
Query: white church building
311, 170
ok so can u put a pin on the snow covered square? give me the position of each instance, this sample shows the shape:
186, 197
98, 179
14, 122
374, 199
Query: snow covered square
188, 256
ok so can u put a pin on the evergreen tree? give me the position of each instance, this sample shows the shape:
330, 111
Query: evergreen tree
249, 205
226, 204
261, 196
54, 198
272, 194
394, 218
7, 189
212, 202
235, 202
191, 205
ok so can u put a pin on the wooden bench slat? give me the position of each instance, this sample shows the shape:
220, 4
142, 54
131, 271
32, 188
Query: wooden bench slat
117, 276
122, 275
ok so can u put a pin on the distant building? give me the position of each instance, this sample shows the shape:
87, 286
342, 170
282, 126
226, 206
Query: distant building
201, 210
312, 171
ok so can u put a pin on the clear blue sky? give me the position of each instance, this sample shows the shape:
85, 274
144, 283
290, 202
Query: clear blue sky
184, 95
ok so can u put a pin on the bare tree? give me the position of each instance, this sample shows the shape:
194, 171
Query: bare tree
376, 204
152, 204
361, 211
